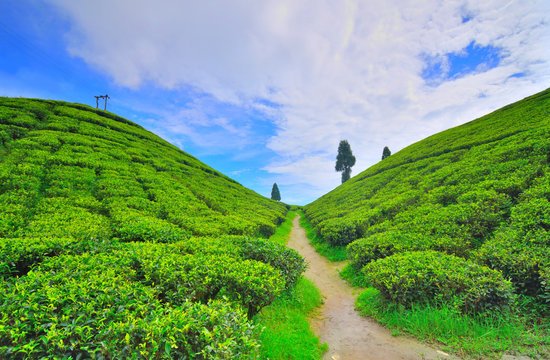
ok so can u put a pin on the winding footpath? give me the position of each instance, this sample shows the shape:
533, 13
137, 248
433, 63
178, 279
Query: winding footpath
349, 335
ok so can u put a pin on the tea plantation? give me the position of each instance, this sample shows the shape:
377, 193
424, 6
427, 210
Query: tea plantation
462, 217
115, 244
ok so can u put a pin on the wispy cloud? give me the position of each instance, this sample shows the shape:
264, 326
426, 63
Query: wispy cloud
320, 71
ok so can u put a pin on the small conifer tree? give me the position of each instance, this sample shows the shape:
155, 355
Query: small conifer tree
275, 194
345, 160
386, 152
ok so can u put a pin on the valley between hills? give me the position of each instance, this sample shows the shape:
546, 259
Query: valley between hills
116, 244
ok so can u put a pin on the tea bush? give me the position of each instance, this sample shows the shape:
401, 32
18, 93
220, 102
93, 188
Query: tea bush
430, 277
84, 307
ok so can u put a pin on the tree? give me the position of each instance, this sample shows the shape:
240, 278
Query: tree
386, 152
275, 194
345, 160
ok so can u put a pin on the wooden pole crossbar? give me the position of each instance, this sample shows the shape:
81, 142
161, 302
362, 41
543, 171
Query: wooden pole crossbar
104, 97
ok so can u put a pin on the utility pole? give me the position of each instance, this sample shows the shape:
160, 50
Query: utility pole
104, 97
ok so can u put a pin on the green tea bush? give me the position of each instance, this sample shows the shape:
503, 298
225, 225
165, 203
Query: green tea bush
289, 263
133, 226
17, 256
521, 250
521, 258
431, 277
340, 231
201, 277
381, 245
96, 255
85, 307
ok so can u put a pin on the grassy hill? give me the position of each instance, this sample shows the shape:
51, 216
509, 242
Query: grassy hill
462, 217
116, 244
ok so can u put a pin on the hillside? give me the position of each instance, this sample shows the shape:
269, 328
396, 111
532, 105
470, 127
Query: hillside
69, 170
114, 243
453, 217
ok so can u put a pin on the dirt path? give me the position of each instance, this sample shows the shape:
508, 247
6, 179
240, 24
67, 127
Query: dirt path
349, 335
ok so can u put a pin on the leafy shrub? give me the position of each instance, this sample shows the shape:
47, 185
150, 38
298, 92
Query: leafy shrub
522, 258
290, 264
17, 256
340, 231
431, 276
83, 307
135, 227
480, 191
521, 250
79, 179
202, 277
381, 245
57, 217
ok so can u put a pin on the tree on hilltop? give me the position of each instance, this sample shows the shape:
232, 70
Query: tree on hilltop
386, 152
345, 160
275, 194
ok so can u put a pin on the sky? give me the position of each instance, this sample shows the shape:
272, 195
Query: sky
265, 90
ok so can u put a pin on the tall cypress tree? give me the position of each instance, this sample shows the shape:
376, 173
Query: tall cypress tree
275, 194
345, 160
386, 152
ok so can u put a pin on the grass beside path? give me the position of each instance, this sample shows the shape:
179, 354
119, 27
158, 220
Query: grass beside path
483, 336
286, 333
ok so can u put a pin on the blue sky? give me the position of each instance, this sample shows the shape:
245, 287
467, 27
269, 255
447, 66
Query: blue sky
264, 91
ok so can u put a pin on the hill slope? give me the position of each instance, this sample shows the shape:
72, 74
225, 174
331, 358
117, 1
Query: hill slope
115, 244
477, 194
69, 170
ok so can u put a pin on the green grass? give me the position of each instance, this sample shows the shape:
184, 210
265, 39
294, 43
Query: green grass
282, 232
286, 333
483, 336
332, 253
354, 278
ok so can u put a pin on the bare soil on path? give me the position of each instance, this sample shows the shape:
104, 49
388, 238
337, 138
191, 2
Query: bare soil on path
349, 335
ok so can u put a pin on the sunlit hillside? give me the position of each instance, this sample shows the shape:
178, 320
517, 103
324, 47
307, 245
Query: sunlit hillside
116, 244
455, 216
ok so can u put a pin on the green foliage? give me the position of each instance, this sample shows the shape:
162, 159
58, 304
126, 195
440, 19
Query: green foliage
86, 307
283, 231
431, 277
289, 263
344, 160
386, 152
275, 194
521, 250
17, 256
333, 253
75, 172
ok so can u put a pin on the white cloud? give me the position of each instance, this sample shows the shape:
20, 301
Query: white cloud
339, 70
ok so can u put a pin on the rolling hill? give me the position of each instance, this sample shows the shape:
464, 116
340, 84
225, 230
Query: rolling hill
462, 216
116, 244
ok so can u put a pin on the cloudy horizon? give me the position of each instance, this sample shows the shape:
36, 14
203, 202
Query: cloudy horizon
264, 91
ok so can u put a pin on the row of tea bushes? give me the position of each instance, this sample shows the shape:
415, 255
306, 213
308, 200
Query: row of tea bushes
480, 191
67, 298
71, 171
